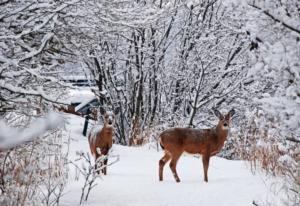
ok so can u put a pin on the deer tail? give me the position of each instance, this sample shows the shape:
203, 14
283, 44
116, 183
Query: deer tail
161, 144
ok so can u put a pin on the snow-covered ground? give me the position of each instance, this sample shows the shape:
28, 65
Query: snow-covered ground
134, 179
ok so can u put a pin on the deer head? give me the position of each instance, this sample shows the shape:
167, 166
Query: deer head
224, 122
108, 117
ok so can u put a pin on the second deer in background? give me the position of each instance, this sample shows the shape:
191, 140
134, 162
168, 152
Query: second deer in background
206, 142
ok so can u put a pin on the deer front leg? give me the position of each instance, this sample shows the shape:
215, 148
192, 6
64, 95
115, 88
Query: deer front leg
205, 161
97, 169
104, 165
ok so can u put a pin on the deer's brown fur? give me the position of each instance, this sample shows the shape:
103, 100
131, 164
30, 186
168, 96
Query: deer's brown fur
206, 142
103, 139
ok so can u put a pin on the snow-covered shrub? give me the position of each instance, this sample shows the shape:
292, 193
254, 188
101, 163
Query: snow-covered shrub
34, 173
263, 143
31, 59
274, 27
89, 170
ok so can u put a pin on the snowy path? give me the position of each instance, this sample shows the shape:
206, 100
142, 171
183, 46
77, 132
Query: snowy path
134, 179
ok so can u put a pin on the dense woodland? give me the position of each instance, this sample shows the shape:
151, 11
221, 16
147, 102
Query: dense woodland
163, 64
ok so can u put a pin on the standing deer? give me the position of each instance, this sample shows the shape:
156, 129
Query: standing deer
206, 142
103, 138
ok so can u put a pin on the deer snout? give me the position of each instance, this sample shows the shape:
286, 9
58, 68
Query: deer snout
225, 125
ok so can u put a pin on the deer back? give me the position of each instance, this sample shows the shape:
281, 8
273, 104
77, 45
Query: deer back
189, 140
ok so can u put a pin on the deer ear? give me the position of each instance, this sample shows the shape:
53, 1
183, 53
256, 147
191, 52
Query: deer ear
117, 110
230, 113
217, 113
102, 110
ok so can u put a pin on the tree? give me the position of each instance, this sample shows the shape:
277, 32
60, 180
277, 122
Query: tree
32, 55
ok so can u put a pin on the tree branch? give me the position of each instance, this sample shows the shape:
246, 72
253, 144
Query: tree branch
18, 90
292, 139
290, 27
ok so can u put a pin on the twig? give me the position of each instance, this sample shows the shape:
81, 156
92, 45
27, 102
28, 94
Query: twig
292, 139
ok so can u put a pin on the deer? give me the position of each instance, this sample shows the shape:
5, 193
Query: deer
101, 141
206, 142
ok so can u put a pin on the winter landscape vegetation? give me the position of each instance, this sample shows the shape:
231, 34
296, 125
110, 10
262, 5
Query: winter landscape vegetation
151, 65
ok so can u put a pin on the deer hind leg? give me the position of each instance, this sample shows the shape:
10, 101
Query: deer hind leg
162, 163
205, 161
173, 164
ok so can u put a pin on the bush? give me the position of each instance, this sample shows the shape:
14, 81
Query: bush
262, 143
34, 173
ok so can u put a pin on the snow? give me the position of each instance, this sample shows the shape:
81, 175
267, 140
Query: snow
110, 113
255, 69
84, 103
287, 159
94, 131
74, 77
96, 128
79, 95
134, 179
11, 137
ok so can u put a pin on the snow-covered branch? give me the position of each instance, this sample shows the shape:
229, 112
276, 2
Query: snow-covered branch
26, 92
11, 137
288, 25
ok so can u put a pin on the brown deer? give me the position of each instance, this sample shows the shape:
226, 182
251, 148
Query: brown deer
101, 141
206, 142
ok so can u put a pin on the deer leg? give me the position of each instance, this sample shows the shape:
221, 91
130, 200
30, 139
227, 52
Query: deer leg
105, 167
104, 163
96, 163
162, 163
173, 164
205, 161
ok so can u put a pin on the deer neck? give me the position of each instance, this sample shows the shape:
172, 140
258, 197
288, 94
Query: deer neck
221, 132
107, 130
